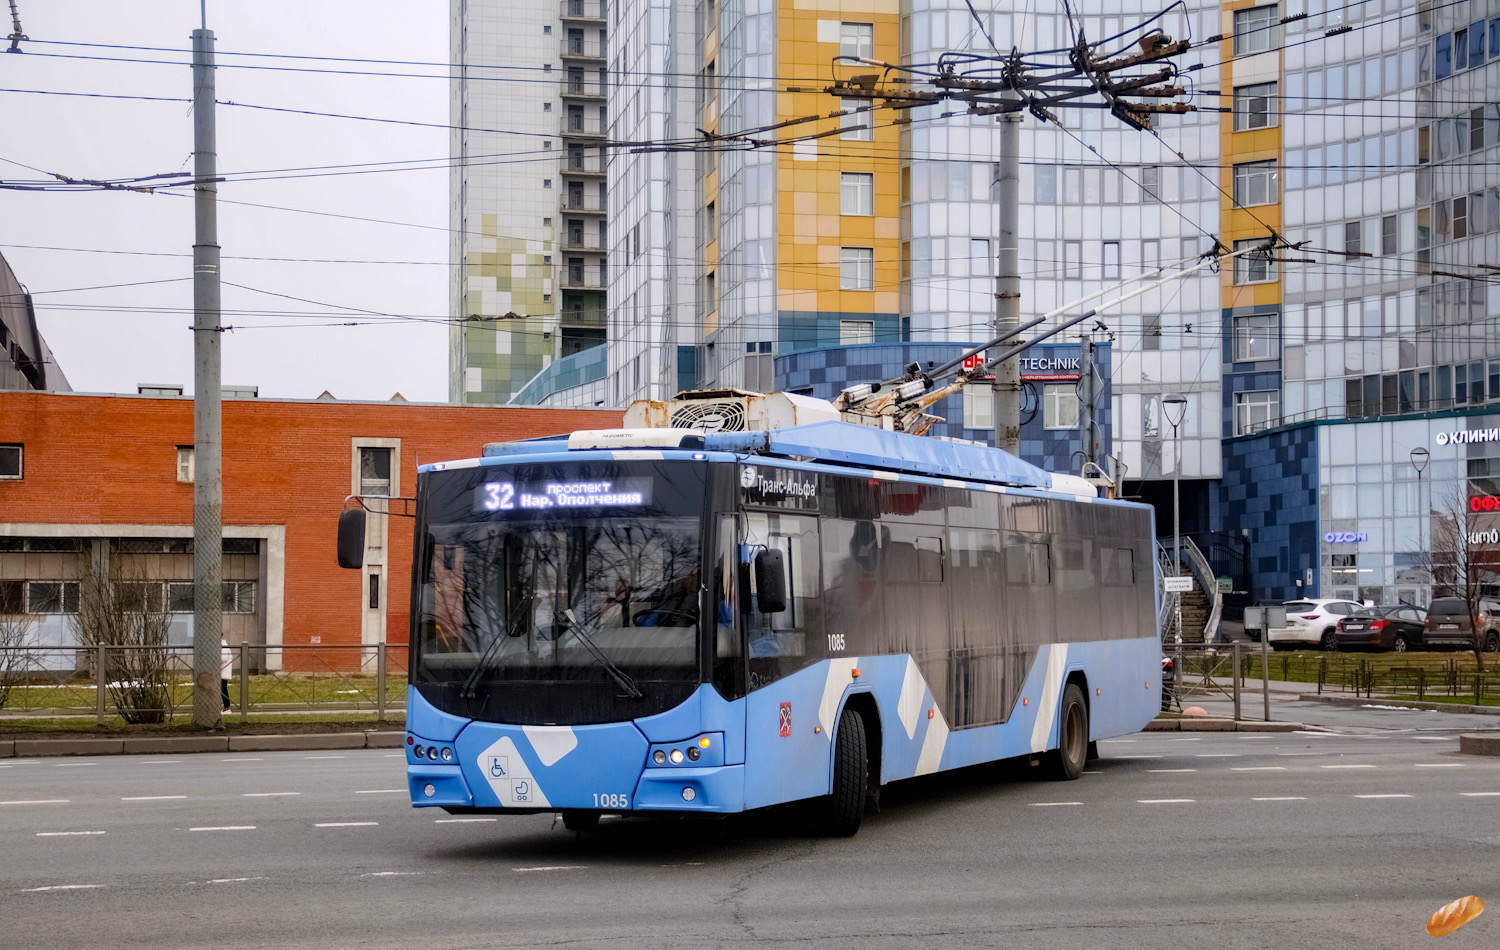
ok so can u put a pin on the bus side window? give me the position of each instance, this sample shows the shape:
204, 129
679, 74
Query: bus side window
789, 636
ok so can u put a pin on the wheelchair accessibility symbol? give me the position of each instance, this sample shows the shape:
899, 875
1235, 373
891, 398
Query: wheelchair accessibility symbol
521, 791
499, 766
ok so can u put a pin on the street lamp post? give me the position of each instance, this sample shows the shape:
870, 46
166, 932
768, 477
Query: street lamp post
1175, 407
1419, 457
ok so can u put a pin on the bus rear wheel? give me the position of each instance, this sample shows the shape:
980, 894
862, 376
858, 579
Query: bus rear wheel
838, 814
1065, 763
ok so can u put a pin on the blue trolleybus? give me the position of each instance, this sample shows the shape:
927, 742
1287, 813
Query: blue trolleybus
681, 621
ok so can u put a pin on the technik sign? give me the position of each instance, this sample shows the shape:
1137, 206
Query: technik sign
1051, 367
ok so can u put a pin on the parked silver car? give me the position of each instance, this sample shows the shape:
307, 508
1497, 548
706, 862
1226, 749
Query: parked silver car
1311, 623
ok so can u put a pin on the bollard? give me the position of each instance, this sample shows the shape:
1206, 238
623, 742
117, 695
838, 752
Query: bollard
244, 682
1265, 676
1236, 678
380, 682
99, 683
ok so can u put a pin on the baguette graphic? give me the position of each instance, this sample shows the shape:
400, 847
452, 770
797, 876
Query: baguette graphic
1450, 917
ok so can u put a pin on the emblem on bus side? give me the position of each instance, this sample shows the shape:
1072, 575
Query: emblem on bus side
747, 476
499, 766
786, 720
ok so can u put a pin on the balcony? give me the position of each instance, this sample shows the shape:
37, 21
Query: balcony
588, 204
574, 47
587, 243
582, 10
588, 88
574, 278
575, 126
575, 164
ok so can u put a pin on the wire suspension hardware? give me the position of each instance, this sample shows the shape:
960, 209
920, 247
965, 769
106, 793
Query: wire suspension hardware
16, 36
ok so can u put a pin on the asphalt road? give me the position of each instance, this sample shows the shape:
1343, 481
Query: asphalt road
1170, 840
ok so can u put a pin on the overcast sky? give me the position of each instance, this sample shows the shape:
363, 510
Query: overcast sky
111, 338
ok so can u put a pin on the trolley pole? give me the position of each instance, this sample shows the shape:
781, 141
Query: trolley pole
1007, 385
208, 501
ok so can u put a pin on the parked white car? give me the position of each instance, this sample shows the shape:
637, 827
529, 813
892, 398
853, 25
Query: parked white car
1310, 623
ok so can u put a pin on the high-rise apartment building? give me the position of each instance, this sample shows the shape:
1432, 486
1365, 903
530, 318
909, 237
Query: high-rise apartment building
528, 195
1341, 393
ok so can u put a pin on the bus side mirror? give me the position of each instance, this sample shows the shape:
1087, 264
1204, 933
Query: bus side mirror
352, 538
770, 582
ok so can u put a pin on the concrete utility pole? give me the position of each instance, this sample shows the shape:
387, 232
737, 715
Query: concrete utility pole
1088, 396
1007, 384
208, 488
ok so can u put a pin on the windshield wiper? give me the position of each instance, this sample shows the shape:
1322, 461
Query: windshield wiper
493, 650
620, 676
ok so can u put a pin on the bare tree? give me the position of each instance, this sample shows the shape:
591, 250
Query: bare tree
1463, 558
15, 629
129, 618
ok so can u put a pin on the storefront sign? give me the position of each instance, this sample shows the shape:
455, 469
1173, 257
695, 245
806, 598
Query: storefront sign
1467, 436
1484, 503
1345, 537
1051, 367
1484, 537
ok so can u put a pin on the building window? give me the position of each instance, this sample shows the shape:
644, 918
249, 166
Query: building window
1388, 235
1255, 184
1072, 260
12, 458
1046, 185
1254, 30
374, 591
1254, 337
1256, 267
238, 597
851, 121
185, 456
1111, 260
852, 332
1060, 407
857, 193
1256, 410
759, 367
979, 407
1254, 106
857, 39
375, 471
52, 597
857, 268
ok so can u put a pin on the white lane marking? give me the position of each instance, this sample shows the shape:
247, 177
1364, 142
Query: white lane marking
1103, 741
39, 801
1299, 753
345, 824
60, 887
1383, 796
66, 834
553, 867
1188, 739
393, 755
1164, 801
71, 765
394, 874
1432, 738
1281, 798
1052, 804
1257, 768
242, 759
459, 821
1346, 766
269, 794
1438, 765
151, 798
1218, 755
1136, 757
322, 756
224, 828
1159, 771
381, 791
233, 880
162, 762
1479, 794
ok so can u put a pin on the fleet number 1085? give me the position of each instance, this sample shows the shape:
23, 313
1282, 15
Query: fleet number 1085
611, 801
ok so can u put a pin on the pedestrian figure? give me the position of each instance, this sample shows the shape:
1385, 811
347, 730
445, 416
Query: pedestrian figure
227, 659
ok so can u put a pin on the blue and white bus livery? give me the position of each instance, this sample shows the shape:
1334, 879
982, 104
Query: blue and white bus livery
672, 620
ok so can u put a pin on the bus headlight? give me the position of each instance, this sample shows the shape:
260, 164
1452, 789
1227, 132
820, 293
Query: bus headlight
688, 794
418, 751
659, 757
447, 754
676, 756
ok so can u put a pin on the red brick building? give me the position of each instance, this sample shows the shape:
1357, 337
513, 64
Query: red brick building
111, 477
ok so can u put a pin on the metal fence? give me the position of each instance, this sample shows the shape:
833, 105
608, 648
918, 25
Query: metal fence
1202, 669
1423, 676
153, 684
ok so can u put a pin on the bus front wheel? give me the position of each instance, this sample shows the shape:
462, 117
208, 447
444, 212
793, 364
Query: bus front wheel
842, 809
1065, 763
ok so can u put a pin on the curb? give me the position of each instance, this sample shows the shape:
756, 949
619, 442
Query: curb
1409, 704
1479, 743
1221, 725
144, 745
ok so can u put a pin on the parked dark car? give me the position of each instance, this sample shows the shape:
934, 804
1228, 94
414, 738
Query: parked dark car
1168, 682
1449, 624
1398, 628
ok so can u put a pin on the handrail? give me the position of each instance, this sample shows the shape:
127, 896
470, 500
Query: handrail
1166, 616
1199, 567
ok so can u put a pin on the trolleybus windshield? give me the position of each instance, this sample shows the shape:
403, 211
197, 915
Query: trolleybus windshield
560, 594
